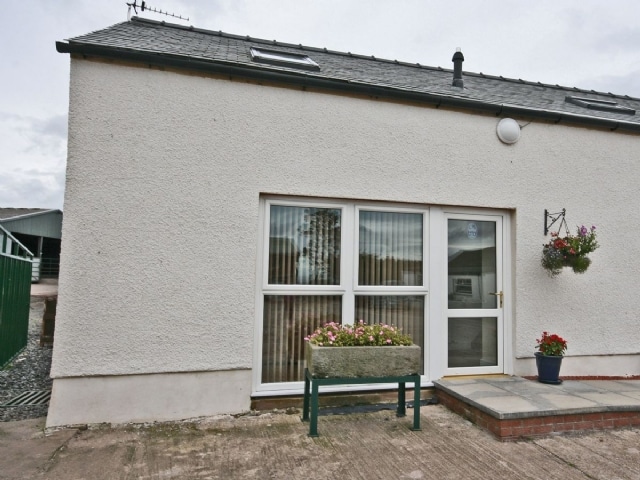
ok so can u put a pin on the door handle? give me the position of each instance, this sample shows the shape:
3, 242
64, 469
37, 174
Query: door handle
497, 294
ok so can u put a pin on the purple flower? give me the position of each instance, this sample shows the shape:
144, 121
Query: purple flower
583, 231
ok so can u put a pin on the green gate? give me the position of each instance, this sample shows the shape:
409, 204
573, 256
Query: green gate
15, 291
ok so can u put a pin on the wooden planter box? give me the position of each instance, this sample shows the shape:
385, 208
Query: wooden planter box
355, 362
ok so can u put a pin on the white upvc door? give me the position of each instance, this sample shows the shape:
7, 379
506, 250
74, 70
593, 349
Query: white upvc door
475, 294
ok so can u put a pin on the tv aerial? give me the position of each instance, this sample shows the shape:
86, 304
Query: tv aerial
143, 6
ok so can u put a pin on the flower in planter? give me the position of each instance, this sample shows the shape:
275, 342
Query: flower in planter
569, 251
359, 335
551, 344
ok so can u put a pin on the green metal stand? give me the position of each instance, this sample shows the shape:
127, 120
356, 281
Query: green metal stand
311, 391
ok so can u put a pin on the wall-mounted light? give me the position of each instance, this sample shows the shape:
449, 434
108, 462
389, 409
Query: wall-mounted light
508, 131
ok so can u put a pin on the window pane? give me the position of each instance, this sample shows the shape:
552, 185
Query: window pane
405, 312
390, 250
287, 320
304, 246
472, 264
473, 342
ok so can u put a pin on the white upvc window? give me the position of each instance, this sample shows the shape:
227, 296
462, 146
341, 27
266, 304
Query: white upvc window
325, 260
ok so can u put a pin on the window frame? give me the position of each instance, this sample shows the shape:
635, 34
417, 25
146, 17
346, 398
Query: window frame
348, 287
294, 288
397, 289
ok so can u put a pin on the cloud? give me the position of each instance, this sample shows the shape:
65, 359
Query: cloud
55, 126
626, 84
33, 161
573, 43
32, 188
35, 135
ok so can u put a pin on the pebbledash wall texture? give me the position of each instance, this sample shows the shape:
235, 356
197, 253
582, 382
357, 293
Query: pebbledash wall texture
157, 315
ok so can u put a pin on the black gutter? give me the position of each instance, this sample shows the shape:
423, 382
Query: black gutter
345, 86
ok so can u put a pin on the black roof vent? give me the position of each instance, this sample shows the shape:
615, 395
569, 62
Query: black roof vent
457, 59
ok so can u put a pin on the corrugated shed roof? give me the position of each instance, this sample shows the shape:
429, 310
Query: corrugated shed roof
32, 221
12, 213
188, 47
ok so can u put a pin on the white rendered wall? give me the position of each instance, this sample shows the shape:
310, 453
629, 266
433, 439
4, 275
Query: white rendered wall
161, 211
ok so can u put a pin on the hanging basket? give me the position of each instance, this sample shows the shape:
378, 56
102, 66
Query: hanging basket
553, 261
569, 251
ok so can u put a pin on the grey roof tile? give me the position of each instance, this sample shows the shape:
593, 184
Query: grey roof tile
167, 41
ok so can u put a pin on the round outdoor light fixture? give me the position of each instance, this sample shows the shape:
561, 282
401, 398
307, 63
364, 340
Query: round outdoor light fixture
508, 130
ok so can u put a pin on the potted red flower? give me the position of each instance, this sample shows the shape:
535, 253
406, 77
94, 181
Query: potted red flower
551, 348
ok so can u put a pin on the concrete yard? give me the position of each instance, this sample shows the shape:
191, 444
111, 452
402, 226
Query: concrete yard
374, 445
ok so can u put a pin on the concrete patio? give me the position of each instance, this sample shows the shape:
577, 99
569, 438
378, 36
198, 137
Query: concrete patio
513, 407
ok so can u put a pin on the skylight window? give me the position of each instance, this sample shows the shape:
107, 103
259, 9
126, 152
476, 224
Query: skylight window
283, 59
602, 105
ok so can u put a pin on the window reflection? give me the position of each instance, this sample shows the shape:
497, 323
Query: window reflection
472, 342
471, 264
304, 246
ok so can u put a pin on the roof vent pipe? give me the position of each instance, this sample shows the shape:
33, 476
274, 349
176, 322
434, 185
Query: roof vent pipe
457, 59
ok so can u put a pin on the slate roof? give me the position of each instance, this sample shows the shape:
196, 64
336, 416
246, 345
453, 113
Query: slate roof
160, 43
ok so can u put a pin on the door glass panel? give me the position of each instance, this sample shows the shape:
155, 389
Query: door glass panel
472, 342
405, 312
390, 248
471, 264
287, 320
304, 246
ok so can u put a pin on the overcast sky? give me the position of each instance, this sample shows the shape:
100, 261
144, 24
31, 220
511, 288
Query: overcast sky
590, 44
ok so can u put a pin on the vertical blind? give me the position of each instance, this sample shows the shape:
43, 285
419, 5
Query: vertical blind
287, 320
390, 248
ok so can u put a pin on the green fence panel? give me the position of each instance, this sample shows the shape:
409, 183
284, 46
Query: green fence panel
15, 291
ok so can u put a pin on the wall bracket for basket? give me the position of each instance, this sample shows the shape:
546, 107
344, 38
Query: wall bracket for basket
554, 217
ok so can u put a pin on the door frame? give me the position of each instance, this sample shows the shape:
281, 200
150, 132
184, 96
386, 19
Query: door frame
438, 306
